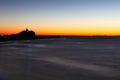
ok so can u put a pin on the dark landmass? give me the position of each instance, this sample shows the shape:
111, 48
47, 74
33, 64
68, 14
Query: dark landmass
43, 37
24, 35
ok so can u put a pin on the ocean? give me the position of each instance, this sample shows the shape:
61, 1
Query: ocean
60, 59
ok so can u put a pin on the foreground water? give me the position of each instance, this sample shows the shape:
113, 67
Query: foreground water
60, 59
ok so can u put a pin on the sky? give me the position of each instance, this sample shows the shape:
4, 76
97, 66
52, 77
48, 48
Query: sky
60, 17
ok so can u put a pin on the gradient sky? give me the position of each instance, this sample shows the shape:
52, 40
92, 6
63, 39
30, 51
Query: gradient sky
61, 17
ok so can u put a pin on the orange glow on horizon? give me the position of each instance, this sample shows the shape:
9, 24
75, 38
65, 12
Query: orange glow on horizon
70, 32
62, 33
74, 29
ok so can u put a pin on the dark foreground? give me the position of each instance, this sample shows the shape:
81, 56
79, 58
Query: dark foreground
60, 59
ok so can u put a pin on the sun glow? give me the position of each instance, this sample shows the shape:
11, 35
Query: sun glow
68, 29
72, 18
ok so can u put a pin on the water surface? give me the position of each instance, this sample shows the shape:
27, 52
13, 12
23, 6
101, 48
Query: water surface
60, 59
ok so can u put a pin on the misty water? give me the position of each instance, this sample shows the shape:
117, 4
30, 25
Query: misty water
60, 59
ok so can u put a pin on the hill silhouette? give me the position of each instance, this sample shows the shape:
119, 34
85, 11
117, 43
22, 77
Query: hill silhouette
23, 35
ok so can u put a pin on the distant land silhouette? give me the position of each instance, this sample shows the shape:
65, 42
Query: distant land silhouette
24, 35
30, 35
